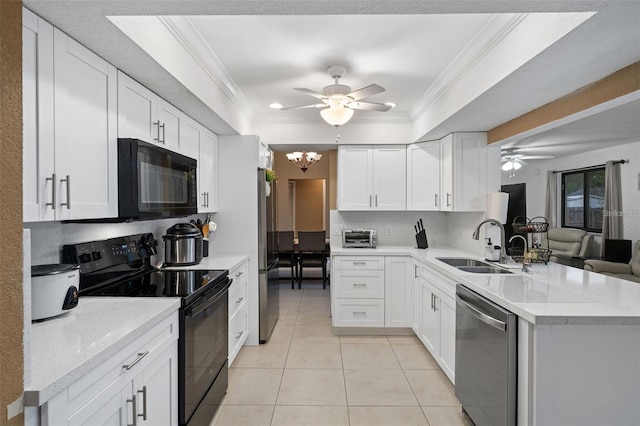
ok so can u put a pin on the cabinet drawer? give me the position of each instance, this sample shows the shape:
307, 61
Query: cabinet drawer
238, 289
359, 262
359, 313
83, 390
359, 284
238, 326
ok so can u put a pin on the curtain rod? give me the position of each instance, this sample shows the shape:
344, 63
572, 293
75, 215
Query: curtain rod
597, 166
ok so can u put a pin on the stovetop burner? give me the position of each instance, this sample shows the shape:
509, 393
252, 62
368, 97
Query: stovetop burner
121, 267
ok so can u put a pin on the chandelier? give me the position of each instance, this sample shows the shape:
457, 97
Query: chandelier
304, 159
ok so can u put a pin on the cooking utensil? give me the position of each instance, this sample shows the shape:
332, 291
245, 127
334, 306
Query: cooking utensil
182, 245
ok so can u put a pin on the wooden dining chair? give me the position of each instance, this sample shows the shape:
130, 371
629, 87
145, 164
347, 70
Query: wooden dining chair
312, 249
286, 253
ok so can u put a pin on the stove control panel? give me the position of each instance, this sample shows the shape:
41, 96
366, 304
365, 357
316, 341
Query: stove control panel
93, 256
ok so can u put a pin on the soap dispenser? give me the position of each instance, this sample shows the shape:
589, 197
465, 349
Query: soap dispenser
491, 252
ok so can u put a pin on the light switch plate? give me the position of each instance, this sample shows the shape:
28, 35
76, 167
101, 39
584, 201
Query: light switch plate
337, 230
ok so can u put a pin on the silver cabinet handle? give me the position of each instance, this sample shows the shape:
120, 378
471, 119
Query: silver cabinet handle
207, 198
144, 403
435, 303
436, 199
157, 123
135, 411
204, 199
359, 263
68, 181
239, 274
239, 300
359, 284
376, 200
359, 313
239, 335
163, 140
53, 192
370, 205
137, 360
448, 202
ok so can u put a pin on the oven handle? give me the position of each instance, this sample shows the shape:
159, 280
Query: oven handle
197, 307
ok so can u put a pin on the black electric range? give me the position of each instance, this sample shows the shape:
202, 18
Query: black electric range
122, 267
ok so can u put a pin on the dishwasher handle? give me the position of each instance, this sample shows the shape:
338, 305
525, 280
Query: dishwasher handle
487, 319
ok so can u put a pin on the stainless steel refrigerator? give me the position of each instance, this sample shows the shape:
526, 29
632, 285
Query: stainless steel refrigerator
268, 275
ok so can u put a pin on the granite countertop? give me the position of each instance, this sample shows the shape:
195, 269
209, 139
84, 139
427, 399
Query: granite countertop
549, 294
67, 347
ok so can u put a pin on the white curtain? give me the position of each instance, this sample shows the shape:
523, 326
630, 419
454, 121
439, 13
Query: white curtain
612, 212
551, 200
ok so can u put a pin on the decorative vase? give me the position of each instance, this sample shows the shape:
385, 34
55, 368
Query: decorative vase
267, 189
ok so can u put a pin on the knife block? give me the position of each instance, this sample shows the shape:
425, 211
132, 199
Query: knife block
421, 239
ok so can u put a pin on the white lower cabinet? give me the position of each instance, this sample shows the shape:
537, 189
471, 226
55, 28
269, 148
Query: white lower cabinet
238, 309
138, 385
434, 316
371, 291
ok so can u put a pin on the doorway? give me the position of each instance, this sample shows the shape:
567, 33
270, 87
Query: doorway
307, 204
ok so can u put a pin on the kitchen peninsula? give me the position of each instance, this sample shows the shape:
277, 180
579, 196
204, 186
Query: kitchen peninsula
578, 331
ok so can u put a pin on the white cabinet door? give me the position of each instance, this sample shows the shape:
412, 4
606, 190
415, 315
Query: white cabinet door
208, 171
390, 177
447, 307
169, 122
397, 291
155, 390
355, 178
423, 176
430, 319
136, 110
37, 109
464, 171
111, 407
446, 176
85, 134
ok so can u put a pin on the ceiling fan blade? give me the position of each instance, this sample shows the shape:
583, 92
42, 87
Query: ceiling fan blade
366, 91
537, 157
310, 92
305, 106
369, 106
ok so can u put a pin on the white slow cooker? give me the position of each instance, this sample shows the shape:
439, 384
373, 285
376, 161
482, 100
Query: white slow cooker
54, 289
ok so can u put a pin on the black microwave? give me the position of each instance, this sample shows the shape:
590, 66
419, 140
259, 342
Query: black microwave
154, 183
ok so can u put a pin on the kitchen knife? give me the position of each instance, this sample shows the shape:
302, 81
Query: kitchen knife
416, 228
421, 225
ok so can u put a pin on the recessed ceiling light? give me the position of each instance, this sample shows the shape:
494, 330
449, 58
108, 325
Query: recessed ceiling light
391, 104
276, 105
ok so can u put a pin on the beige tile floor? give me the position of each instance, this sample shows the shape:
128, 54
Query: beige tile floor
305, 375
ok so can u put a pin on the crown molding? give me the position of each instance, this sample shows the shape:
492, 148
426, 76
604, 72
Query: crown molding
186, 33
485, 40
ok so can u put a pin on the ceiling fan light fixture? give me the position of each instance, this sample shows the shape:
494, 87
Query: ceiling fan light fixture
336, 115
276, 105
304, 159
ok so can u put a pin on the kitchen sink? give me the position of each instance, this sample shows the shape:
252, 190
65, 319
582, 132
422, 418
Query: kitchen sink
472, 265
484, 270
462, 261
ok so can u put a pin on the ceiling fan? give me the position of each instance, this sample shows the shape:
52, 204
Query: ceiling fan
339, 101
512, 160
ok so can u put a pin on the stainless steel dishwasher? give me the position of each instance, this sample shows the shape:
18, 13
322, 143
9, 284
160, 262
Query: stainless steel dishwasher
486, 359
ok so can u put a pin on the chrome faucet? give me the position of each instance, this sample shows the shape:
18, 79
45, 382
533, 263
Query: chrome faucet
525, 256
476, 236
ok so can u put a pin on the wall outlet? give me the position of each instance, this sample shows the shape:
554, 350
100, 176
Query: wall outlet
389, 230
337, 230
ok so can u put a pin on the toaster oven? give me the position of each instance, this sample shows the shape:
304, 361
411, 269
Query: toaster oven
359, 238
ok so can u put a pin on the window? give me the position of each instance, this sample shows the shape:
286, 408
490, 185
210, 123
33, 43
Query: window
583, 199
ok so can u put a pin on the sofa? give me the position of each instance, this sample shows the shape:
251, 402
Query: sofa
626, 271
568, 246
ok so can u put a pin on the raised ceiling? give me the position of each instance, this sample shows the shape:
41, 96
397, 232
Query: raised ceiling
433, 57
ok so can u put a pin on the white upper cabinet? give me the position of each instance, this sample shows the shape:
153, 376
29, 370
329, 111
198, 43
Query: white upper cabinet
200, 143
463, 168
423, 176
144, 115
372, 177
37, 107
70, 150
85, 132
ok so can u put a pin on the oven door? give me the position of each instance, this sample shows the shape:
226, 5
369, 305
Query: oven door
204, 348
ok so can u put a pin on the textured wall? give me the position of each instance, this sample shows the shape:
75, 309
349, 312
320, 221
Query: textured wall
11, 317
